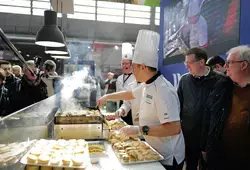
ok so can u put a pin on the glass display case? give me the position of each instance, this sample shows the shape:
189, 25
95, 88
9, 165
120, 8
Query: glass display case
21, 129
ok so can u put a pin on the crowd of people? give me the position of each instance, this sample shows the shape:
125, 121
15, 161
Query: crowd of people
205, 122
23, 86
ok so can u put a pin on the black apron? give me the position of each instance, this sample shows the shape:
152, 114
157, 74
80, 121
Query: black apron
128, 118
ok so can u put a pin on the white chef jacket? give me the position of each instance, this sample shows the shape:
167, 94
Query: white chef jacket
134, 104
159, 105
198, 33
50, 87
122, 83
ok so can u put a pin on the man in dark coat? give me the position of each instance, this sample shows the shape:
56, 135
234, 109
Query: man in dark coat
193, 91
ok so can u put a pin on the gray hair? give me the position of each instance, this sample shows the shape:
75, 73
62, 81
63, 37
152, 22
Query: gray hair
243, 52
29, 63
17, 68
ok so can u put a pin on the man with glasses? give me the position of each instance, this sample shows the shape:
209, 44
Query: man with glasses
193, 91
228, 143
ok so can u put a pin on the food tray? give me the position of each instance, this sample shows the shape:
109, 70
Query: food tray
85, 158
97, 154
84, 117
160, 157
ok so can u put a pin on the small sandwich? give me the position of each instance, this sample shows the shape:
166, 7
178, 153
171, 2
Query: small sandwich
130, 148
31, 158
35, 151
55, 160
79, 150
43, 159
132, 155
77, 160
125, 158
120, 155
66, 160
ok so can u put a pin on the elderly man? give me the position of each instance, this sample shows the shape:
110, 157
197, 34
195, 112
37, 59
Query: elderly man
229, 132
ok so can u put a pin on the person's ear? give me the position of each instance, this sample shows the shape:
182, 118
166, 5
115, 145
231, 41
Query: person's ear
217, 66
244, 65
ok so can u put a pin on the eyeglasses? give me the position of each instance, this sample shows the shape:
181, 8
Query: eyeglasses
230, 62
190, 62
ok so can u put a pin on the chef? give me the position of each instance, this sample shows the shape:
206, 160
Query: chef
127, 76
133, 105
198, 26
159, 120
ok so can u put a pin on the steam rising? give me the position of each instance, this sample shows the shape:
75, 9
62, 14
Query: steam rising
79, 86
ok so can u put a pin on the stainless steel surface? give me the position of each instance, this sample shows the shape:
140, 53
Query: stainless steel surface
78, 131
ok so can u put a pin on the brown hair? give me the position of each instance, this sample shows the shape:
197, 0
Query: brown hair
199, 53
4, 62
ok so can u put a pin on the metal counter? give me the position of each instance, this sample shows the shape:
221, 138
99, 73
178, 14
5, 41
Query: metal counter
109, 162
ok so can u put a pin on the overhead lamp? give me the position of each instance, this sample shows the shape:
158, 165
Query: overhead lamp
67, 56
56, 50
50, 35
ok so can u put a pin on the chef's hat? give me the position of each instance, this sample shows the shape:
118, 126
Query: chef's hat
193, 8
146, 48
127, 51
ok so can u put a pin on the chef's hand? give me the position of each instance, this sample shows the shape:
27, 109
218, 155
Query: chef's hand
120, 112
130, 130
102, 100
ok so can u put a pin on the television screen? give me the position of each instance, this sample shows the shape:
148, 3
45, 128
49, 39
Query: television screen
211, 24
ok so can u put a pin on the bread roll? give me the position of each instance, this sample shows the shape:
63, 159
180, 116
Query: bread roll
31, 158
43, 159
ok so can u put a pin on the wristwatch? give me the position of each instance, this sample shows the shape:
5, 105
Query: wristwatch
145, 130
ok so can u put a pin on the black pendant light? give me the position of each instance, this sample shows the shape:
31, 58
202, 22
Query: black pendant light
50, 35
58, 56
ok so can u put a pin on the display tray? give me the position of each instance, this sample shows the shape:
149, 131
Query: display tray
136, 152
27, 119
11, 153
60, 153
84, 116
